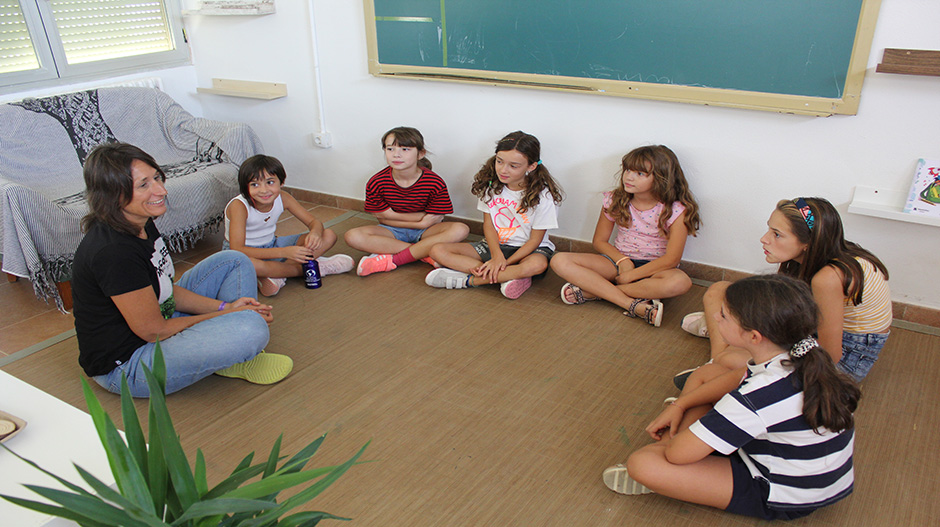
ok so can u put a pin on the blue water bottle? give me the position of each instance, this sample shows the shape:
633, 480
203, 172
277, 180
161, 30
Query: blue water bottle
312, 274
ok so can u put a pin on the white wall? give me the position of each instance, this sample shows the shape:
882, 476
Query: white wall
739, 162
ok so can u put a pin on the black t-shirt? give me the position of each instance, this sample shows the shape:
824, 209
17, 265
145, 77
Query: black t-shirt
110, 263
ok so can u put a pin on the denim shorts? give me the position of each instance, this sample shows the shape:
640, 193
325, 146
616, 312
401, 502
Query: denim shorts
860, 351
636, 262
750, 494
278, 241
405, 235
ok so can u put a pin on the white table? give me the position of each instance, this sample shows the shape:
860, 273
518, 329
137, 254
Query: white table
56, 435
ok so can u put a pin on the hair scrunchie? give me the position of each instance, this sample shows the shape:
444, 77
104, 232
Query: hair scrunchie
802, 347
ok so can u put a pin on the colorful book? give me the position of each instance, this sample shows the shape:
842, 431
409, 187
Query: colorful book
924, 198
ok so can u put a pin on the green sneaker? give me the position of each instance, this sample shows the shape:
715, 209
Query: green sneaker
265, 368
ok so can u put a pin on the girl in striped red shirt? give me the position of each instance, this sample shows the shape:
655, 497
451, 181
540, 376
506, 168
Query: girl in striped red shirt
410, 202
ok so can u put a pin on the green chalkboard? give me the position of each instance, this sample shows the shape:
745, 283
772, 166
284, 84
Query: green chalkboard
785, 55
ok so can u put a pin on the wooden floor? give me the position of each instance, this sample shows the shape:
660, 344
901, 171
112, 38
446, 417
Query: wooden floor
487, 411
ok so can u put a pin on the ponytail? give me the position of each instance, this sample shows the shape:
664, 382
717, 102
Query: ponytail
829, 396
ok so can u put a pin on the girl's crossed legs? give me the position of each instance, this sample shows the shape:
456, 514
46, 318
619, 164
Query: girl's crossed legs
595, 275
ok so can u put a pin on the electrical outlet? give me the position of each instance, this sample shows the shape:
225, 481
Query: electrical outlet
323, 139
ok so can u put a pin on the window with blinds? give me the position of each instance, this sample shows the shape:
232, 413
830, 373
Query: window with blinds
43, 39
16, 48
107, 29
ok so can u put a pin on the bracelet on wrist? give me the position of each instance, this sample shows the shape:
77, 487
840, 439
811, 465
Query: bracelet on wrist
222, 306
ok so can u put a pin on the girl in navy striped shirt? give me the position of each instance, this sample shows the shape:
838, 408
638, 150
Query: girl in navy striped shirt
785, 434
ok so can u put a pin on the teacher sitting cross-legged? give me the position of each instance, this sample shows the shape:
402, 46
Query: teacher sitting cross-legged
125, 299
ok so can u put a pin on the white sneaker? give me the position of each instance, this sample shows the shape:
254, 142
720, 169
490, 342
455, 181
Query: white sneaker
694, 323
617, 480
270, 286
445, 278
336, 264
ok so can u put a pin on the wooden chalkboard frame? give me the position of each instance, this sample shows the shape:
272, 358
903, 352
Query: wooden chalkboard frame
781, 103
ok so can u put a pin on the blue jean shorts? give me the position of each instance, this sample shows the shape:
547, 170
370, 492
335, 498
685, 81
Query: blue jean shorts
278, 241
860, 351
405, 235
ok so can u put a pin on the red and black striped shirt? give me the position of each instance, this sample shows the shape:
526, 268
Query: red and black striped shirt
428, 194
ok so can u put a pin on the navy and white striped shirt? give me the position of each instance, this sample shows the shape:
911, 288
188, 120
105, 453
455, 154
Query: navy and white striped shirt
763, 420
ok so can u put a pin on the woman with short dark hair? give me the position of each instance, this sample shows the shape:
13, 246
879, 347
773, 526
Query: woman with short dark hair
125, 299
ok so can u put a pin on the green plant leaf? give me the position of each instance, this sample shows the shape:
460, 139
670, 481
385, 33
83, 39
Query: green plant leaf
157, 477
308, 519
124, 468
67, 484
93, 507
304, 495
305, 454
45, 508
222, 506
159, 369
181, 476
107, 494
132, 430
273, 457
232, 482
202, 487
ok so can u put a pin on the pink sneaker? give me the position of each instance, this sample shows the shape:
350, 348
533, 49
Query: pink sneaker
375, 263
513, 289
430, 261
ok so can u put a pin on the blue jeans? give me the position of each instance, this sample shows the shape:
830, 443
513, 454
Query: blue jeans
859, 352
209, 346
278, 241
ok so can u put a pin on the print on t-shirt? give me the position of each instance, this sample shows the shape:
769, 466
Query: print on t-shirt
163, 264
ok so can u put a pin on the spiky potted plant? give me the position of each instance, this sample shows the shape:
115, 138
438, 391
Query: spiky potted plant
157, 487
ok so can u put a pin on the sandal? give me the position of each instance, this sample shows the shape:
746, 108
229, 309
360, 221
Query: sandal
653, 318
578, 295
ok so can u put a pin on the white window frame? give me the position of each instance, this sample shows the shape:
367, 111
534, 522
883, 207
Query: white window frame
54, 68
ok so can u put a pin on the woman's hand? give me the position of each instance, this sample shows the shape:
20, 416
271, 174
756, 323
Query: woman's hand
250, 304
298, 253
668, 419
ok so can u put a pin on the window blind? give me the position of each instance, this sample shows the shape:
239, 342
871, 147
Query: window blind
16, 48
94, 30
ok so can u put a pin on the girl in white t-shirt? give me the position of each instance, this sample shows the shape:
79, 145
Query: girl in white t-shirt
654, 213
251, 219
519, 199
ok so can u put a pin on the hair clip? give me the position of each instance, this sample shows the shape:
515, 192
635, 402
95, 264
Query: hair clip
806, 212
540, 162
802, 347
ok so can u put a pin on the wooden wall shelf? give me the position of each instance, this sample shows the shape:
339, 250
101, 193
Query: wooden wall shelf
910, 62
249, 89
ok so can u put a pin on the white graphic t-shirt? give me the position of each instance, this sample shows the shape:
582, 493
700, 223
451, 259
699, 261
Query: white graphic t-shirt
515, 227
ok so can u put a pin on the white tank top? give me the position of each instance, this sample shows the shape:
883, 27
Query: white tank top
259, 229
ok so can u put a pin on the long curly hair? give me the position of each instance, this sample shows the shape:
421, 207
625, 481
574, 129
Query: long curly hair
486, 184
782, 309
411, 138
826, 245
669, 185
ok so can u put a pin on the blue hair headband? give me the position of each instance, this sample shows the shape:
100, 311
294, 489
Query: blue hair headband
806, 212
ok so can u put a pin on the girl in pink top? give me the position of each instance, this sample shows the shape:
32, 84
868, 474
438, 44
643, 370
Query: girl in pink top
654, 212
